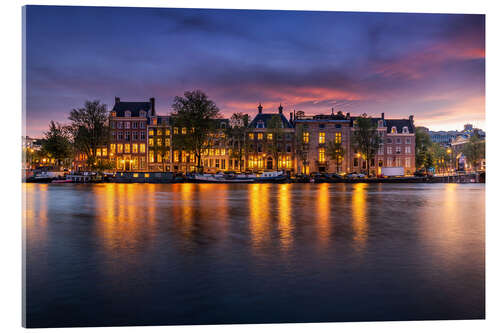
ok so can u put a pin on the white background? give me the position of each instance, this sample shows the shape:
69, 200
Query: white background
10, 157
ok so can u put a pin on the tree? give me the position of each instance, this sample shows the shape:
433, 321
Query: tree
301, 147
194, 112
423, 145
89, 129
367, 140
275, 127
57, 143
439, 157
336, 152
238, 124
474, 151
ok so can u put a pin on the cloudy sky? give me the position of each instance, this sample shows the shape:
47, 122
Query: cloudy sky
428, 65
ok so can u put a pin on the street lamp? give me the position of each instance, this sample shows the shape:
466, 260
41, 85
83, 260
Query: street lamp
449, 151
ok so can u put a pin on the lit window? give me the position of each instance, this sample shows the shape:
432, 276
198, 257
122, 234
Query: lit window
184, 130
98, 152
191, 158
104, 152
393, 129
217, 152
158, 158
321, 138
223, 152
151, 142
127, 148
167, 142
183, 156
260, 136
135, 148
176, 156
113, 148
176, 130
158, 141
167, 132
119, 148
143, 148
269, 136
151, 132
338, 137
159, 132
250, 136
151, 157
321, 155
305, 137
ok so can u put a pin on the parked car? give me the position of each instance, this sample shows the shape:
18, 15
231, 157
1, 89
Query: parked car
354, 175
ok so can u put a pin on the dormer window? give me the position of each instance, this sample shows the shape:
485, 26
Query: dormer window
128, 113
142, 113
394, 130
405, 130
380, 123
113, 113
260, 124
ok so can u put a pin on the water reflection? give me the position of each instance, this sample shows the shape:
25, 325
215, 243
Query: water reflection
323, 213
259, 207
359, 215
285, 225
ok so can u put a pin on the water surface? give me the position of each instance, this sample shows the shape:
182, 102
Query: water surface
153, 254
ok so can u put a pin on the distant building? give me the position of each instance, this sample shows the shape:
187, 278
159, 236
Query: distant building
446, 137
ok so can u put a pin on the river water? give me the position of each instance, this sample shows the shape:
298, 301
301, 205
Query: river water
158, 254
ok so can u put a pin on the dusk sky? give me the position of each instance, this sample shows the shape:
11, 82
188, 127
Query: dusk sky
428, 65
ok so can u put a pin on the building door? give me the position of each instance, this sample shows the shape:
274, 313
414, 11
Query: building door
269, 163
127, 165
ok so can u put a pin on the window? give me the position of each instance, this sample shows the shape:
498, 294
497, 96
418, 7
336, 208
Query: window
408, 162
135, 136
112, 148
98, 151
321, 155
176, 156
321, 138
223, 164
134, 124
127, 136
151, 157
120, 135
143, 124
158, 158
398, 161
217, 152
127, 148
381, 150
380, 163
167, 142
260, 136
113, 135
119, 124
398, 149
135, 147
355, 162
389, 140
389, 149
305, 137
142, 148
250, 136
143, 135
151, 142
127, 124
119, 148
142, 113
159, 132
128, 113
223, 151
389, 162
398, 140
184, 130
405, 129
407, 150
217, 165
408, 141
167, 132
183, 156
191, 157
112, 124
269, 136
338, 137
176, 130
394, 130
151, 132
159, 141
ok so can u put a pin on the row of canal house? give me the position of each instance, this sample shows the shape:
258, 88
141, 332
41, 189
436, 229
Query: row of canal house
141, 140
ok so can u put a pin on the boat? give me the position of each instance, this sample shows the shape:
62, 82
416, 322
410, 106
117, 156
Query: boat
271, 177
61, 181
223, 178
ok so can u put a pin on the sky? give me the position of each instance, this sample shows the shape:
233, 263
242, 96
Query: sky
431, 66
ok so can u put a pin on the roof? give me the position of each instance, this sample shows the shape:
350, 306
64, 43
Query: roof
133, 107
390, 123
266, 117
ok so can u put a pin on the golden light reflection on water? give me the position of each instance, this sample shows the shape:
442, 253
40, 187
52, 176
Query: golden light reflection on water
285, 224
359, 214
258, 200
323, 213
183, 207
36, 214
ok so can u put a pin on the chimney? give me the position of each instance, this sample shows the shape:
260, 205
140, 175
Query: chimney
348, 115
152, 102
260, 108
291, 116
411, 119
280, 109
117, 100
383, 115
